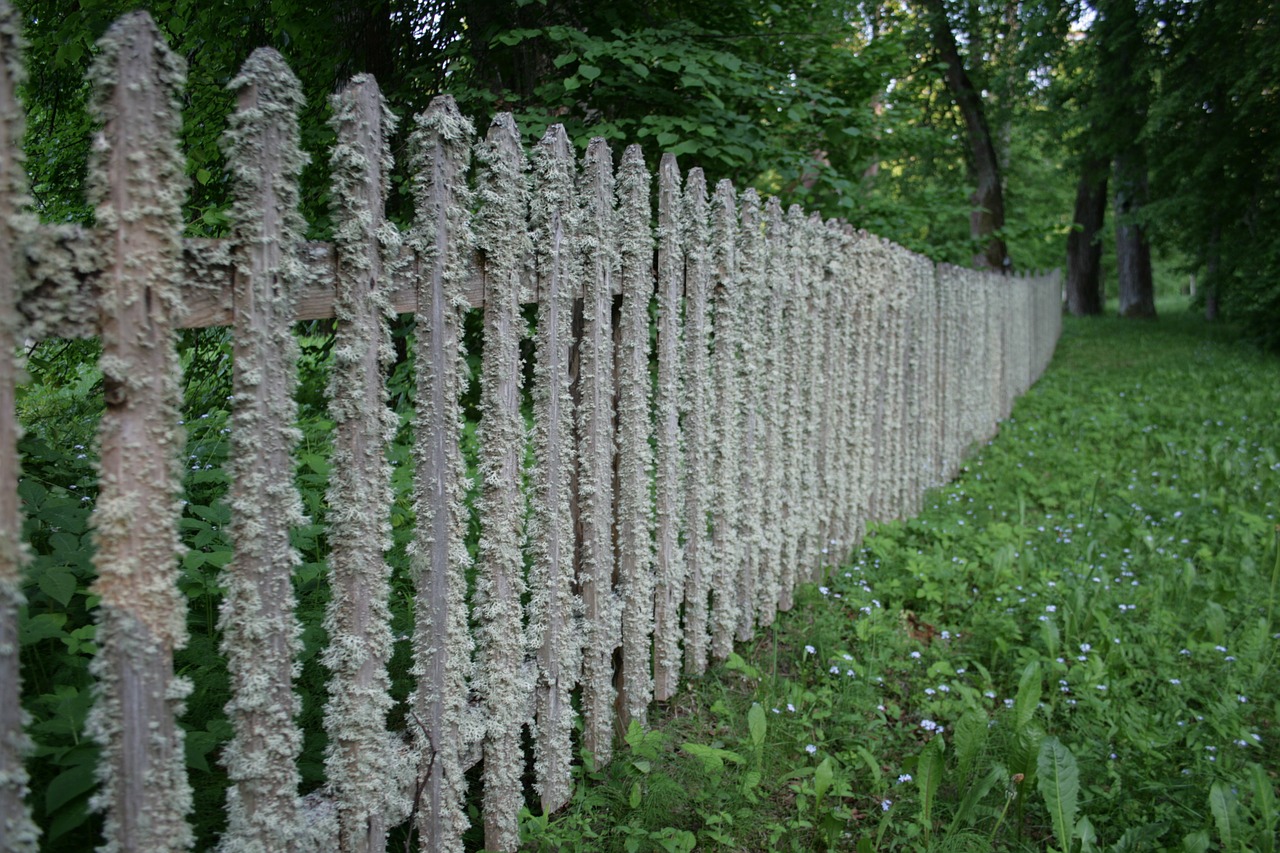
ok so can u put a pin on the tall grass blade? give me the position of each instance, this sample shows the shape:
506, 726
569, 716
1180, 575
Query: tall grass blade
1222, 802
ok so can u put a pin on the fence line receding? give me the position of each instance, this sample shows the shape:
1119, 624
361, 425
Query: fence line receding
806, 379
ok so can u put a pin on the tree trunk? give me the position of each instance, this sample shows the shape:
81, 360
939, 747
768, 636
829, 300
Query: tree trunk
1084, 251
1211, 277
1133, 252
987, 217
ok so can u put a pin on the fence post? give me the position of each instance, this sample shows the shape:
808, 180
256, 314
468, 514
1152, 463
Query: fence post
442, 644
670, 567
553, 633
365, 771
595, 453
502, 235
137, 186
697, 399
635, 457
19, 833
260, 635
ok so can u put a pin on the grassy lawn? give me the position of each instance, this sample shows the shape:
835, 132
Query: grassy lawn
1072, 648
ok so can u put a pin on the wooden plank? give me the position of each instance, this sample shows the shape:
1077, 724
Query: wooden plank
501, 233
695, 406
727, 434
440, 149
20, 833
772, 366
669, 568
635, 455
260, 634
137, 186
751, 281
553, 602
360, 766
595, 453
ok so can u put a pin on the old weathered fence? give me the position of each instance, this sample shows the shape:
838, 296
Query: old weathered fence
808, 379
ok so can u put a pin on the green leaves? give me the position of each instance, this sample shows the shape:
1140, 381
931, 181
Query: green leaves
1059, 784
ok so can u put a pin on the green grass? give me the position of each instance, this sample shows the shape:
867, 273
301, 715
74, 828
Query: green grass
1072, 648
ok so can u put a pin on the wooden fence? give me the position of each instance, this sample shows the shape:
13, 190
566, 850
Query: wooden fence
808, 379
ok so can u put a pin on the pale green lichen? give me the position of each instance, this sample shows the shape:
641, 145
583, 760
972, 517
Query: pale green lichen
669, 567
260, 634
752, 271
137, 184
502, 236
18, 833
444, 725
697, 425
635, 456
771, 366
727, 426
366, 775
601, 611
554, 608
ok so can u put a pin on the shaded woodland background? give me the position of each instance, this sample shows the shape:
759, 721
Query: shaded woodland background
1143, 138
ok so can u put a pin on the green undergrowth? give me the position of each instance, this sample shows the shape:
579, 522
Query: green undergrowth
1072, 647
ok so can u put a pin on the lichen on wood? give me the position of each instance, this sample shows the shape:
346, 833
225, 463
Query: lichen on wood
771, 366
635, 456
669, 481
595, 421
18, 833
727, 434
362, 769
554, 607
260, 634
502, 236
697, 425
444, 726
752, 272
137, 185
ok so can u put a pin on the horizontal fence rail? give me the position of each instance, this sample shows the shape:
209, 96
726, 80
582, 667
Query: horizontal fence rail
724, 394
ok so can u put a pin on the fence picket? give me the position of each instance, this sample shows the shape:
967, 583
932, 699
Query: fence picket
502, 235
750, 284
772, 365
442, 644
137, 185
669, 568
260, 633
595, 453
697, 400
553, 630
21, 835
364, 768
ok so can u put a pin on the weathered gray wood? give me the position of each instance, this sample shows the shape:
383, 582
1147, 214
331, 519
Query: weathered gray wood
442, 645
553, 631
601, 611
635, 456
137, 186
260, 634
727, 435
772, 366
751, 312
501, 233
17, 831
697, 434
669, 568
361, 769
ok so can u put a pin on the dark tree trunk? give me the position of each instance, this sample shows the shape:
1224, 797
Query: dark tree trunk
1133, 252
1211, 276
1084, 251
988, 196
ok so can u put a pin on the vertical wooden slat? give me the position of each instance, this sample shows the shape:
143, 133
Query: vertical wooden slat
727, 435
697, 393
793, 375
260, 634
669, 568
553, 603
137, 186
442, 646
595, 453
750, 285
18, 832
503, 237
635, 456
360, 764
772, 366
